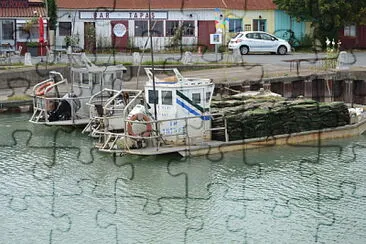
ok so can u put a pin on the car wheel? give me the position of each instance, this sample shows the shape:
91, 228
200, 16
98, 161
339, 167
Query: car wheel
244, 50
282, 50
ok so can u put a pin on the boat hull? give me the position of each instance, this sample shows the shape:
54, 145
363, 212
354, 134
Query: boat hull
219, 147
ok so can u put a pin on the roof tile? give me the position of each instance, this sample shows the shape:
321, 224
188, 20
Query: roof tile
21, 12
168, 4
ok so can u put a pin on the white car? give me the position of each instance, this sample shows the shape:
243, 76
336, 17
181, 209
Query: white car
258, 41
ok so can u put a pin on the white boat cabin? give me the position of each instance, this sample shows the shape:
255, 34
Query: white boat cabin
179, 99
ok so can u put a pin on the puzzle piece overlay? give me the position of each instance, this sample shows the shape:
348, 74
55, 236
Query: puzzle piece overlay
55, 189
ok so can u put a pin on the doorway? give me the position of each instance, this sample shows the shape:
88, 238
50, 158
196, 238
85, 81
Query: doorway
89, 37
205, 28
119, 35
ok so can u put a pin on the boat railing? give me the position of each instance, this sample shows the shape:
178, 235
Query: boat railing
108, 105
44, 105
40, 106
175, 78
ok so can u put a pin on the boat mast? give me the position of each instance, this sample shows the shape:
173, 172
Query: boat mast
152, 62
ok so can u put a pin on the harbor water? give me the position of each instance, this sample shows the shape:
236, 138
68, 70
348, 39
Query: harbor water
55, 188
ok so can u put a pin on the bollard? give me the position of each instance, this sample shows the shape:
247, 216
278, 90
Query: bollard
28, 59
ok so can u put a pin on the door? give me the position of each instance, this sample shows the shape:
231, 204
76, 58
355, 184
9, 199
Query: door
119, 34
205, 28
254, 41
268, 43
89, 37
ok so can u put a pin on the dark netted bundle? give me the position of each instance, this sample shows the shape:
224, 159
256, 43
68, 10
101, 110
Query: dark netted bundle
263, 118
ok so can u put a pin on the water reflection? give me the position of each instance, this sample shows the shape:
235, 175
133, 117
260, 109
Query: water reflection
55, 187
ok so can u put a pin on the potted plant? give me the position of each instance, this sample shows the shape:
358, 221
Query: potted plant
29, 24
32, 47
72, 41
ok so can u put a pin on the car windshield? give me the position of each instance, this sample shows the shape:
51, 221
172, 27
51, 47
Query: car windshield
238, 35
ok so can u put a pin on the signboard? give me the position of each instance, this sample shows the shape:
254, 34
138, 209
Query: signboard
122, 15
216, 38
14, 4
119, 30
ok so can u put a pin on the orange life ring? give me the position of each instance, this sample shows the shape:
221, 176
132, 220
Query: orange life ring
42, 88
148, 125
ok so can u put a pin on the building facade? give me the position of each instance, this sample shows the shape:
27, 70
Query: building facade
353, 36
19, 24
125, 24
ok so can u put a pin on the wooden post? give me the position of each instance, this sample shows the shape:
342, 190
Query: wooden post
267, 86
308, 89
348, 93
287, 89
328, 91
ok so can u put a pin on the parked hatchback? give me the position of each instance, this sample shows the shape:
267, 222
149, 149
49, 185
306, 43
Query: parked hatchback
258, 41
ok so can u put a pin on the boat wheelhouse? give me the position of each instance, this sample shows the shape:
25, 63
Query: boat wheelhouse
56, 101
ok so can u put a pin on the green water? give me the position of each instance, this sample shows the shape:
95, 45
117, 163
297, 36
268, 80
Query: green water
55, 188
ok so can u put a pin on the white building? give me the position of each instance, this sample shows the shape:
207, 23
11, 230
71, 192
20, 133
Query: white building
124, 26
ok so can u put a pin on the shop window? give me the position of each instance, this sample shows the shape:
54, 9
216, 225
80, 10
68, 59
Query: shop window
172, 27
196, 98
141, 28
167, 97
248, 27
64, 28
7, 30
157, 28
188, 28
235, 25
27, 33
153, 99
350, 30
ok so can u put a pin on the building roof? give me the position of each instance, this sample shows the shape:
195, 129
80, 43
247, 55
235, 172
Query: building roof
167, 4
26, 8
22, 12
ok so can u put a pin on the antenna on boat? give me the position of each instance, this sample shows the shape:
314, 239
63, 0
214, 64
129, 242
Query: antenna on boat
152, 62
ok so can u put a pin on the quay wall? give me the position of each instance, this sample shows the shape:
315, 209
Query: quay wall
348, 86
29, 76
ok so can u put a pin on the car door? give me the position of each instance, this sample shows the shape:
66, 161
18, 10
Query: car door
253, 41
268, 43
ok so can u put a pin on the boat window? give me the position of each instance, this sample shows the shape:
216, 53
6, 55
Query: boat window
85, 78
196, 98
96, 78
167, 97
76, 78
152, 97
108, 78
208, 95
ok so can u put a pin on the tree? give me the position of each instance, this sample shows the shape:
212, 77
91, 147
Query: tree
326, 16
52, 13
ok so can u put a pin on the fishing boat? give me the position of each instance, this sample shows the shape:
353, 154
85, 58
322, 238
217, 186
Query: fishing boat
173, 114
59, 101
